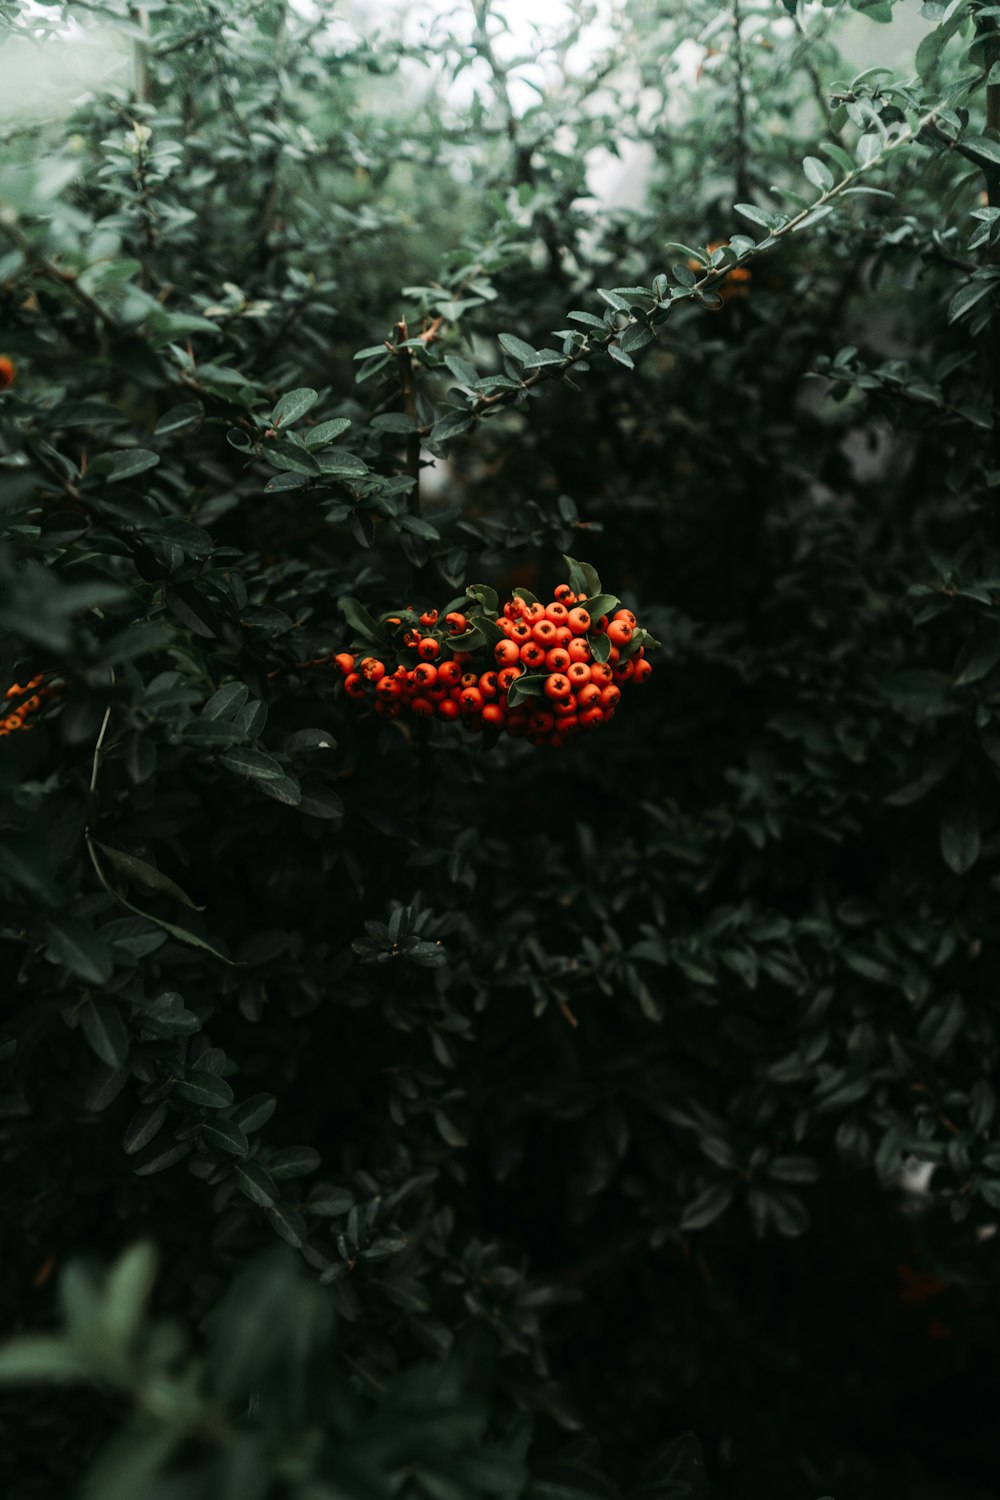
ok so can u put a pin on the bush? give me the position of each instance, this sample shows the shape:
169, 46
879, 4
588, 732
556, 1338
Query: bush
600, 1094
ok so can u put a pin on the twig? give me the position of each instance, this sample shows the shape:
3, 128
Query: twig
742, 178
54, 273
407, 383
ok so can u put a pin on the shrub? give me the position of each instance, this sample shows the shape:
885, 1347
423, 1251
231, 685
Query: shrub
639, 1085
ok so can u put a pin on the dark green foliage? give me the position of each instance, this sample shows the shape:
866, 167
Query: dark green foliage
586, 1090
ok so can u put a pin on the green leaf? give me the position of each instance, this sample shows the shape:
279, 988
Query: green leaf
24, 1360
486, 596
583, 578
818, 173
357, 616
80, 949
529, 685
294, 1161
180, 418
326, 432
161, 1157
601, 604
253, 763
114, 467
960, 839
102, 1025
709, 1205
516, 347
147, 1121
126, 1292
225, 1135
257, 1184
983, 149
254, 1112
600, 647
342, 465
205, 1090
141, 873
293, 405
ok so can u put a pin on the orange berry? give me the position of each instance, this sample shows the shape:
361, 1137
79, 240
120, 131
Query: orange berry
600, 673
562, 591
428, 648
507, 677
488, 685
456, 623
557, 613
493, 715
423, 707
425, 675
540, 721
354, 685
610, 698
627, 616
387, 687
579, 621
449, 673
642, 671
578, 673
588, 695
623, 669
578, 650
8, 372
533, 613
619, 632
447, 709
470, 701
591, 718
372, 669
557, 660
506, 653
344, 662
544, 632
520, 632
532, 654
557, 686
429, 617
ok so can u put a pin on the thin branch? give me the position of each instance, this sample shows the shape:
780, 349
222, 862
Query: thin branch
742, 174
408, 386
49, 269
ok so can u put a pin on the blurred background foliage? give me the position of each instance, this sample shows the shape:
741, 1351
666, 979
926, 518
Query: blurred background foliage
599, 1098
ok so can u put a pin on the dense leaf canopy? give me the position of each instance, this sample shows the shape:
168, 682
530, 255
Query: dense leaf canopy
389, 1109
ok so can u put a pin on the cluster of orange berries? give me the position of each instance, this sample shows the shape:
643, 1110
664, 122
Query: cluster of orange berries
32, 696
547, 681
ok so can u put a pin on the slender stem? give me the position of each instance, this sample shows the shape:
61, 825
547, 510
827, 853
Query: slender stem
140, 55
408, 386
49, 269
713, 278
742, 176
992, 175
